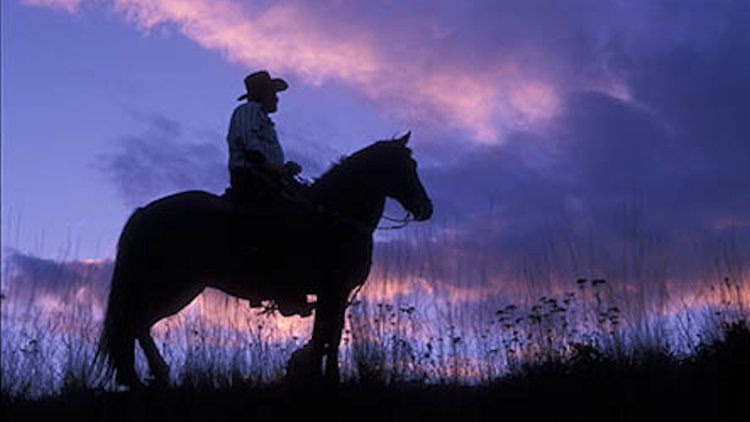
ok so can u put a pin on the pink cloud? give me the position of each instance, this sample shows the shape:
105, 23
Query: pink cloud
289, 39
730, 222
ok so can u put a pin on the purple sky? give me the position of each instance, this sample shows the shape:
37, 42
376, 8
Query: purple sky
530, 118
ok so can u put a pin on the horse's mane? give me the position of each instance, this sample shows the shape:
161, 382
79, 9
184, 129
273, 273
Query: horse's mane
351, 165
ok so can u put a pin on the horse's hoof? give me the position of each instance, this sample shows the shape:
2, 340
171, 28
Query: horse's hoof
126, 387
304, 366
158, 383
130, 382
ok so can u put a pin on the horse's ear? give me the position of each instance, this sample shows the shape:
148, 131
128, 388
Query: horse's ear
404, 139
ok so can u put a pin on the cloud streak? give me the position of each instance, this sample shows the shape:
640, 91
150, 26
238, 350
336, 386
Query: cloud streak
406, 59
486, 68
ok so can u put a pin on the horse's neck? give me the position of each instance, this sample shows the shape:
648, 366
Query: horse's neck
356, 201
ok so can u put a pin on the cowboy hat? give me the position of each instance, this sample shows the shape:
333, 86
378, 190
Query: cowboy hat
259, 81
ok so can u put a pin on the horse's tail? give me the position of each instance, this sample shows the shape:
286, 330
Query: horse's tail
116, 350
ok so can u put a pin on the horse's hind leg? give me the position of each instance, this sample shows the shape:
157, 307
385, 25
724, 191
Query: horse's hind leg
125, 363
165, 301
156, 364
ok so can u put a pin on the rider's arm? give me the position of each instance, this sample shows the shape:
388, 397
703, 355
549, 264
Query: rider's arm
243, 137
257, 160
273, 168
248, 140
242, 129
254, 157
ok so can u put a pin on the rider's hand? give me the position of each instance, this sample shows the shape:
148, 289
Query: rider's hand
292, 168
271, 168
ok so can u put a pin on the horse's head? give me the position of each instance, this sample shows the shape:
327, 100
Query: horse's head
382, 169
400, 179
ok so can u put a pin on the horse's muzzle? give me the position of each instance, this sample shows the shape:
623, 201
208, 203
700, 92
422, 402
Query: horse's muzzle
423, 211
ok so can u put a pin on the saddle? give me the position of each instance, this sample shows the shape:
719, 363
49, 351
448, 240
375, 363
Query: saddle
255, 191
261, 218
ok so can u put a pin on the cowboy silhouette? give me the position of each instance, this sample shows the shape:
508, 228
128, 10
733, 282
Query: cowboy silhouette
256, 159
260, 178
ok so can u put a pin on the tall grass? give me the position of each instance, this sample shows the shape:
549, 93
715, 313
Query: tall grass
422, 317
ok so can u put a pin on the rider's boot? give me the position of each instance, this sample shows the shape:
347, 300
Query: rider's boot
295, 304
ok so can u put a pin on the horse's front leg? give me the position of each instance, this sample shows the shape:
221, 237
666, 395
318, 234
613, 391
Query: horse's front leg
326, 336
334, 322
329, 321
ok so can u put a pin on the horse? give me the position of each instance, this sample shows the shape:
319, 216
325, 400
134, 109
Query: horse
174, 247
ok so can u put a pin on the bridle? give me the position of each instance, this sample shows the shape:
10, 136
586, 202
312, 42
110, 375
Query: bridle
400, 222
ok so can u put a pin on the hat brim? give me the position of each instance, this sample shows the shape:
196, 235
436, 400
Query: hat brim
277, 84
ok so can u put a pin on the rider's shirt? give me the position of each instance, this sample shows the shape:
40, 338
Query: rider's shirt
252, 129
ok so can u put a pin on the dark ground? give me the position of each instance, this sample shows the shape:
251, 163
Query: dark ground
713, 385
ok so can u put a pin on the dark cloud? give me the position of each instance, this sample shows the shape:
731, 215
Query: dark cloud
163, 159
27, 278
574, 41
166, 158
668, 164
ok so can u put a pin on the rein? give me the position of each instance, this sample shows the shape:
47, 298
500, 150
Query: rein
400, 222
